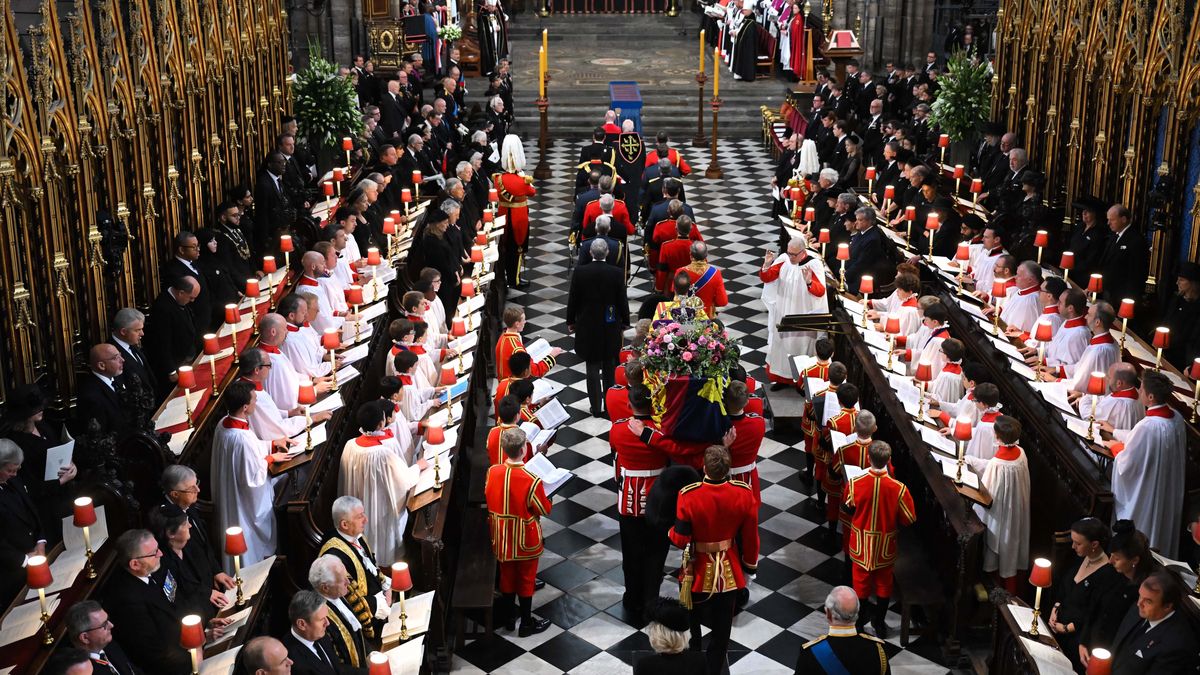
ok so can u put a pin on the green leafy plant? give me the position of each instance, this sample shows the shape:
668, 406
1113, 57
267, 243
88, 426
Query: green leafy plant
965, 97
326, 104
450, 32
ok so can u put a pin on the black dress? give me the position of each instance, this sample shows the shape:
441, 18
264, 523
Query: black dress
440, 254
193, 581
1080, 602
687, 662
1100, 630
49, 496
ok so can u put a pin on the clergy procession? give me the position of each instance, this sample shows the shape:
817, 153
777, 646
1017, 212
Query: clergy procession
371, 377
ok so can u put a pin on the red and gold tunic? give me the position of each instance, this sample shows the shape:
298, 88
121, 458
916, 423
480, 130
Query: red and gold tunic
673, 155
515, 191
813, 412
616, 402
510, 343
853, 454
808, 425
622, 226
501, 392
720, 521
743, 454
843, 422
880, 505
713, 292
495, 453
674, 254
515, 500
637, 465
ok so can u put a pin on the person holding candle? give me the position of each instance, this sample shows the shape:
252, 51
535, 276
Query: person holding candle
1006, 477
1149, 467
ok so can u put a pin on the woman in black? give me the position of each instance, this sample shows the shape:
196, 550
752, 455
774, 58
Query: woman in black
848, 172
24, 425
1129, 554
668, 631
191, 574
443, 254
220, 280
1081, 586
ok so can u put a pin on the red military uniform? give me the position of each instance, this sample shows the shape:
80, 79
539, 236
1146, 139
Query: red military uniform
616, 402
879, 505
812, 435
808, 426
721, 520
691, 454
636, 466
852, 454
663, 232
712, 292
622, 226
516, 501
495, 454
842, 421
674, 254
673, 155
514, 191
510, 343
743, 454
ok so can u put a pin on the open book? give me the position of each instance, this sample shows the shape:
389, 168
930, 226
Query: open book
538, 349
552, 415
552, 476
537, 436
544, 389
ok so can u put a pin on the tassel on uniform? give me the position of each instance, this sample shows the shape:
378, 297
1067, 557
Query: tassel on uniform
686, 580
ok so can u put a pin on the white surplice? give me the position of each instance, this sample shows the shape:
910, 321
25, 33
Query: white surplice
1101, 353
1021, 308
325, 308
1121, 409
1068, 343
947, 386
243, 491
283, 382
1148, 475
786, 296
373, 470
307, 355
1006, 478
984, 271
983, 436
269, 422
907, 312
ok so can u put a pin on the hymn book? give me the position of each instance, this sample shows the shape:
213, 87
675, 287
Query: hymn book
552, 477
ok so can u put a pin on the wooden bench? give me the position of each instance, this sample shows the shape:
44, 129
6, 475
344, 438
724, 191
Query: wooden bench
916, 584
474, 588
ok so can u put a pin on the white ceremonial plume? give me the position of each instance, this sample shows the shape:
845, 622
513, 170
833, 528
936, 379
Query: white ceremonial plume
512, 154
809, 163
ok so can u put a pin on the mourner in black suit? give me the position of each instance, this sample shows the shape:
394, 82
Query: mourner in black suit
274, 214
308, 643
868, 255
99, 393
171, 333
1125, 262
1156, 635
598, 313
88, 628
191, 571
181, 488
22, 534
652, 184
843, 649
617, 252
184, 264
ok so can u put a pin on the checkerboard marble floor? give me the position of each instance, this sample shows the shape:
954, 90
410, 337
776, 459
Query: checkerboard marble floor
581, 565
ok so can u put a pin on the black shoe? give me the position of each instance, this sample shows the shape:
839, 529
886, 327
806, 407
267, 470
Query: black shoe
523, 286
533, 627
595, 412
806, 477
511, 623
538, 584
881, 629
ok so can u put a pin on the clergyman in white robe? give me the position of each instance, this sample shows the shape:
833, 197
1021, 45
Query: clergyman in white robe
244, 494
1021, 308
1006, 477
1101, 353
373, 469
268, 421
283, 382
1147, 477
1122, 408
785, 293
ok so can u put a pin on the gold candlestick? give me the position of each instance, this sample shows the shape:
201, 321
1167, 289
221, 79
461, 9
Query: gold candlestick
47, 638
1092, 420
308, 430
403, 613
237, 580
1037, 610
87, 546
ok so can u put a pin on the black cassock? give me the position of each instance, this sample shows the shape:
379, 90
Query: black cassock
492, 34
745, 49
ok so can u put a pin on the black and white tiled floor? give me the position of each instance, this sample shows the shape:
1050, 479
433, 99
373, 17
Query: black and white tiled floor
581, 565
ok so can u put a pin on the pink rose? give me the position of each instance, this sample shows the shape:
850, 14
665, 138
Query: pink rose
687, 356
693, 346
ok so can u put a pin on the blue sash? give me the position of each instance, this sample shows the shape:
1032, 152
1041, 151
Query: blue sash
705, 278
828, 660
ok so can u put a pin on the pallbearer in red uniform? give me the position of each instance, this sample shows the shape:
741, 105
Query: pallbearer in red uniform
510, 343
616, 399
515, 189
879, 506
843, 421
716, 523
750, 429
516, 502
808, 427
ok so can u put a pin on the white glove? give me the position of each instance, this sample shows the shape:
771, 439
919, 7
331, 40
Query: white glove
382, 608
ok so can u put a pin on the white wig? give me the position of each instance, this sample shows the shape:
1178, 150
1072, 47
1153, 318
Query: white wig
512, 154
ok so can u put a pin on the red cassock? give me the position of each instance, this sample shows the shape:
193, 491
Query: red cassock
713, 292
797, 33
620, 219
674, 254
616, 402
808, 425
516, 500
637, 466
515, 192
674, 156
721, 521
495, 454
831, 483
743, 454
880, 505
510, 343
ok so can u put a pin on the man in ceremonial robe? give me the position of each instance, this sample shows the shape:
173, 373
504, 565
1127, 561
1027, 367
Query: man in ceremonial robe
1070, 338
1149, 467
1101, 351
1006, 478
984, 268
793, 283
515, 189
268, 420
983, 432
368, 590
1121, 408
707, 282
243, 489
1022, 306
745, 48
492, 27
328, 576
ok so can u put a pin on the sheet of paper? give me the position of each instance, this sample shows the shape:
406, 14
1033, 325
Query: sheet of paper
318, 437
552, 476
1050, 661
457, 389
538, 349
65, 568
25, 620
465, 343
1023, 616
538, 437
356, 353
331, 402
969, 307
552, 414
178, 440
472, 304
462, 364
439, 418
801, 363
875, 339
837, 439
345, 374
1021, 369
1054, 393
938, 442
907, 392
57, 458
203, 359
1136, 350
1080, 427
853, 472
236, 621
73, 536
426, 481
350, 336
899, 367
1007, 348
175, 412
950, 470
376, 310
253, 578
544, 389
247, 323
221, 664
814, 386
408, 657
417, 610
852, 306
449, 441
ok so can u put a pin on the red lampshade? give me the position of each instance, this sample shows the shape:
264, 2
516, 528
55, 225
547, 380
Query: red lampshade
976, 185
959, 171
191, 634
285, 243
810, 214
252, 289
347, 143
85, 512
1162, 337
389, 226
962, 429
186, 377
339, 174
910, 213
235, 541
1095, 385
331, 339
1068, 260
1096, 283
1099, 662
354, 294
481, 239
999, 289
964, 251
493, 195
416, 177
933, 221
448, 376
924, 372
269, 264
373, 256
476, 254
1125, 311
843, 252
468, 288
232, 315
435, 435
458, 327
1041, 239
211, 344
488, 217
1043, 331
327, 189
307, 394
405, 195
866, 284
401, 577
892, 325
889, 192
1195, 369
394, 214
378, 664
870, 173
823, 236
795, 194
37, 572
944, 141
1040, 574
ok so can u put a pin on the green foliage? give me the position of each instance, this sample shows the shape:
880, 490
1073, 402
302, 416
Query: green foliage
326, 105
964, 99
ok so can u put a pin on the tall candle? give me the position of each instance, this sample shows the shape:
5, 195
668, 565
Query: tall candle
716, 72
542, 72
702, 52
546, 43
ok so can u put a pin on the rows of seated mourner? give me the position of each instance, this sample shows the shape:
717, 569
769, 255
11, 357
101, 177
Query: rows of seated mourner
291, 423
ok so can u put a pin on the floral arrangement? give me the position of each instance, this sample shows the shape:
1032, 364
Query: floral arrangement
699, 349
965, 98
326, 104
450, 32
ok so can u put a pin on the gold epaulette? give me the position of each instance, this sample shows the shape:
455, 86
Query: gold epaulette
870, 637
813, 642
740, 483
693, 486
